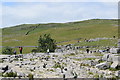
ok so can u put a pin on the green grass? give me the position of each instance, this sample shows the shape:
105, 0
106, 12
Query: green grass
90, 73
10, 74
89, 58
112, 69
98, 54
85, 59
56, 65
71, 54
96, 76
87, 29
77, 59
112, 42
25, 50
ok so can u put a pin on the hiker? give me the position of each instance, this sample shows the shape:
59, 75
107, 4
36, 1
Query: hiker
48, 51
87, 50
20, 49
14, 52
113, 36
108, 49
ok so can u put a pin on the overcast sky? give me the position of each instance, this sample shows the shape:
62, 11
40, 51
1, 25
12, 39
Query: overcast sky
24, 12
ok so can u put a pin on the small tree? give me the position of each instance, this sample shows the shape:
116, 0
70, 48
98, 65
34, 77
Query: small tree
46, 42
7, 50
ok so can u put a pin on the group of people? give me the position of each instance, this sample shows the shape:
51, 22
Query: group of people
20, 50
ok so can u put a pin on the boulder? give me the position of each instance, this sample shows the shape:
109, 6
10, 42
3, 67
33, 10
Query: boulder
110, 57
117, 73
26, 62
58, 70
91, 62
4, 56
115, 65
32, 68
116, 58
68, 74
115, 50
18, 64
8, 71
5, 68
116, 62
105, 57
32, 63
104, 65
19, 74
1, 71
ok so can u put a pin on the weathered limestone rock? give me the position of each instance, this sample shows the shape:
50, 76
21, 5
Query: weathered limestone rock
19, 74
5, 68
32, 68
18, 64
58, 70
116, 58
104, 65
115, 50
116, 62
105, 57
110, 57
3, 57
68, 74
8, 71
117, 73
115, 65
73, 65
93, 63
1, 71
26, 62
32, 63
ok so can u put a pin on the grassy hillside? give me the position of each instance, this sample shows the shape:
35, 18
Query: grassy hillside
28, 34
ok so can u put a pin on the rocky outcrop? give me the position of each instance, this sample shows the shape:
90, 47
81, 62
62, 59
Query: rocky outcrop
103, 66
115, 50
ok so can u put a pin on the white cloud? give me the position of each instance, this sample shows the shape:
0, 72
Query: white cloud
56, 12
61, 1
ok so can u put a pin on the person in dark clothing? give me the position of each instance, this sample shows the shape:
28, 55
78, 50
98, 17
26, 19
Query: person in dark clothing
20, 49
113, 36
108, 49
87, 50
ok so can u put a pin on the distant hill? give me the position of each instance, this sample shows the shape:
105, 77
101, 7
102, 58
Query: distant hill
28, 34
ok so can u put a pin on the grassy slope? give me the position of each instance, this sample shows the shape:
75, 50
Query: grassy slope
0, 39
60, 32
